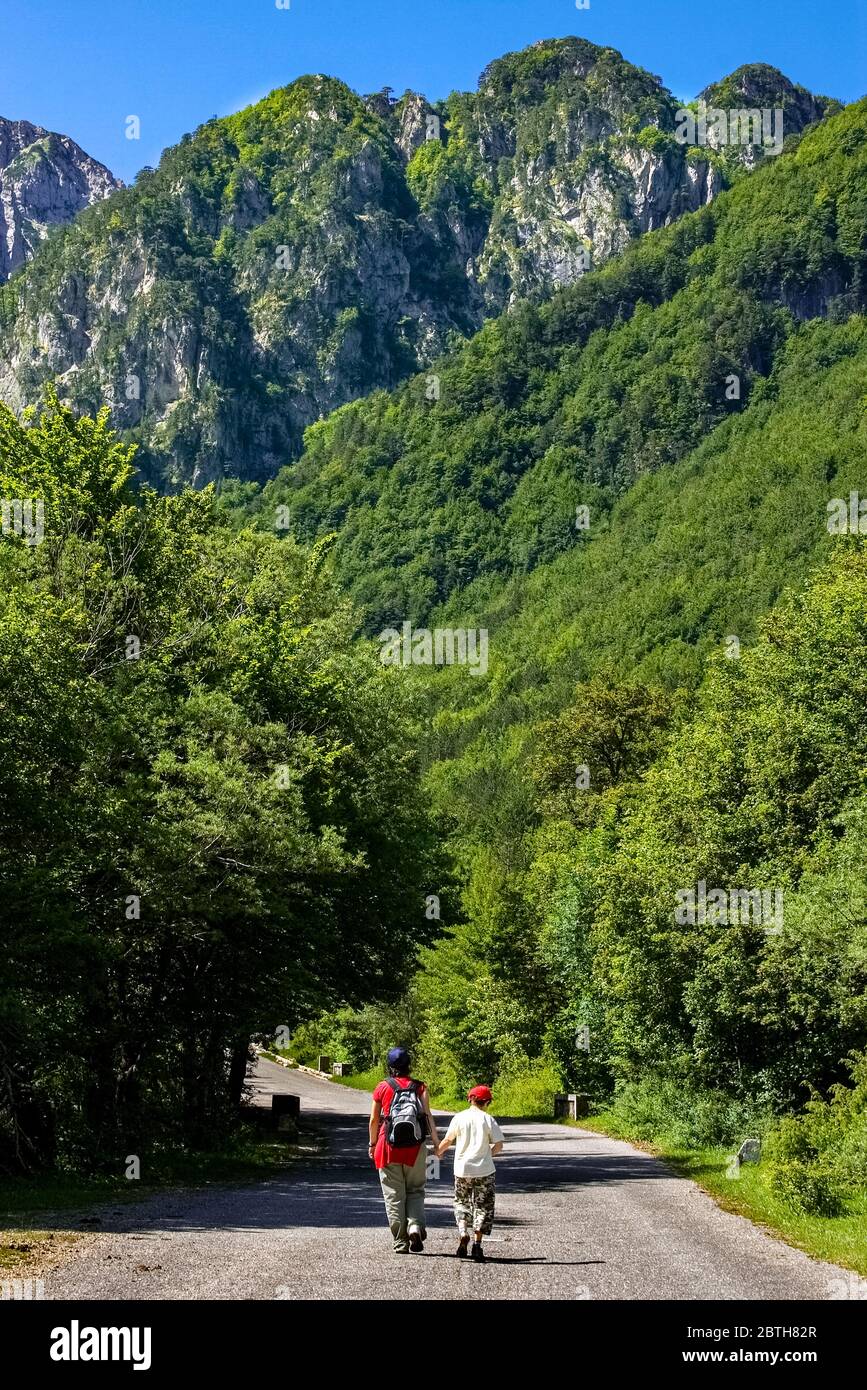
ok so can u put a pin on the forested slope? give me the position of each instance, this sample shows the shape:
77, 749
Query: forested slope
569, 404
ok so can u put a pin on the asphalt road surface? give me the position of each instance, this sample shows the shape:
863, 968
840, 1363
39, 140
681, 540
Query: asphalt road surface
578, 1217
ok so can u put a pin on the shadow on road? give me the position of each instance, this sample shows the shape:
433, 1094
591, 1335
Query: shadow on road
514, 1260
340, 1189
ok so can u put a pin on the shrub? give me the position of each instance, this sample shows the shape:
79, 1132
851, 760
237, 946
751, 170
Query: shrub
805, 1188
664, 1108
527, 1088
829, 1139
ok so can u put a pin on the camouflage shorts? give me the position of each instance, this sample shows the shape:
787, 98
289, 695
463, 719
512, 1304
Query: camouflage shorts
474, 1204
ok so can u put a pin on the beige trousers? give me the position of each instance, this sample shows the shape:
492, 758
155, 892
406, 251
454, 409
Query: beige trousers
403, 1190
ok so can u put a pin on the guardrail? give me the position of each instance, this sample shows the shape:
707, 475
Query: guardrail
290, 1063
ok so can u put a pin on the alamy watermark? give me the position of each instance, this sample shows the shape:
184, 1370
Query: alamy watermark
730, 907
709, 125
847, 517
24, 518
77, 1343
17, 1290
444, 646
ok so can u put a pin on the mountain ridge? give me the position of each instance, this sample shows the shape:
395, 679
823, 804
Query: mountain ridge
314, 247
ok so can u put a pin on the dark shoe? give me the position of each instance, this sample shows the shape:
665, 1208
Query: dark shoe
478, 1253
416, 1244
462, 1251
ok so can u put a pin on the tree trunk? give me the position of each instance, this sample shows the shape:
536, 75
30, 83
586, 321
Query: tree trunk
35, 1135
238, 1071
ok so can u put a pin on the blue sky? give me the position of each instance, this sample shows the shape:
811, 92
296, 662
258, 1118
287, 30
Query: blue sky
83, 66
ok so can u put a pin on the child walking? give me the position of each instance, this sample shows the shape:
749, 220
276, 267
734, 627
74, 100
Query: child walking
477, 1138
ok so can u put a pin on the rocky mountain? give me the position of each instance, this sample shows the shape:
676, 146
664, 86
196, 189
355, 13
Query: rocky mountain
576, 403
45, 179
757, 87
759, 84
321, 245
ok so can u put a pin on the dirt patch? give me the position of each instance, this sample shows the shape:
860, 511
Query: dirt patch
33, 1254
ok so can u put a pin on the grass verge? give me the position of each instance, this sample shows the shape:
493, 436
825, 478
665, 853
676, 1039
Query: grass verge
369, 1080
361, 1080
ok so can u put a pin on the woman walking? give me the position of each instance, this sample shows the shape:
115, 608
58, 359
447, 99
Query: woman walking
400, 1125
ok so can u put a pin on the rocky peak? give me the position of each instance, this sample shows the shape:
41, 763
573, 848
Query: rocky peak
760, 85
15, 136
530, 71
785, 109
45, 179
415, 112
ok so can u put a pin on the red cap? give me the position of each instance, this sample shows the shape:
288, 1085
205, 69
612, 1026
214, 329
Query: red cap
480, 1093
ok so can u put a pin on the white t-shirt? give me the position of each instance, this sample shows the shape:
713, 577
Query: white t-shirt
474, 1131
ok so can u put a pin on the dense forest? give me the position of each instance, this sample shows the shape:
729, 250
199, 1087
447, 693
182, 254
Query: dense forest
211, 819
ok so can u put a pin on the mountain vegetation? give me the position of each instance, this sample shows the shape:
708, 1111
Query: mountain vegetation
320, 245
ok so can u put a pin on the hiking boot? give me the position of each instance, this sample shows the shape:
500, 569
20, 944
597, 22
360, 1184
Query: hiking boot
462, 1250
416, 1244
478, 1253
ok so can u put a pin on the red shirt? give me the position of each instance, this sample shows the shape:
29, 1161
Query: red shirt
384, 1154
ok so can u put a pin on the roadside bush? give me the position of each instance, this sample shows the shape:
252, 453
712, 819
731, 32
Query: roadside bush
805, 1188
527, 1089
361, 1037
820, 1157
663, 1108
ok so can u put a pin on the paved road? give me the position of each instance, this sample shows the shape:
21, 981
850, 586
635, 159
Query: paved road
578, 1217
